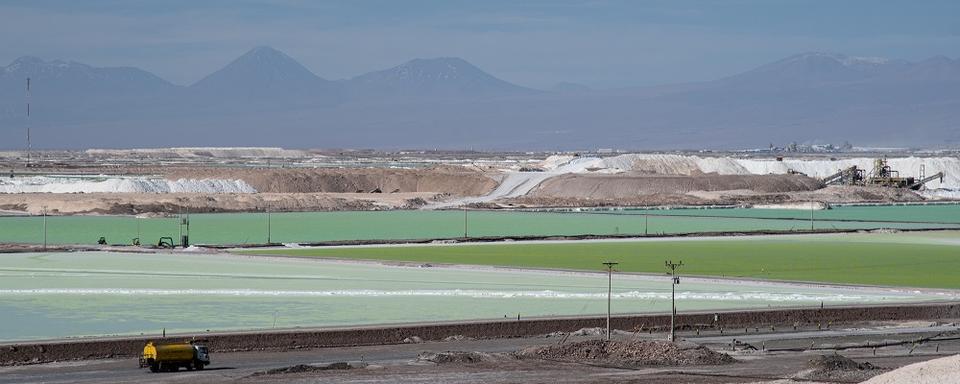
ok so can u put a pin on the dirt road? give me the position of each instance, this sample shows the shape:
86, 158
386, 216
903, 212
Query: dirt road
398, 363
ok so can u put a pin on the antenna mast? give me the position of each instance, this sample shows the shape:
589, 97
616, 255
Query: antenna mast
29, 147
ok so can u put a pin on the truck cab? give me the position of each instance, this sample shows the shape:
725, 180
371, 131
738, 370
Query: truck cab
202, 355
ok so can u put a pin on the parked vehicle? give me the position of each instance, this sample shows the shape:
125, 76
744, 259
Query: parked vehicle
171, 356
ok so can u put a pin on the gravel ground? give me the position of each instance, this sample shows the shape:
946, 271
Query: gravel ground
629, 353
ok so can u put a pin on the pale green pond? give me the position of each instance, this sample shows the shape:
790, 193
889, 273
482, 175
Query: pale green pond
250, 228
51, 295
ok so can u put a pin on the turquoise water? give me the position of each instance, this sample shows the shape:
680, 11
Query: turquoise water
49, 295
251, 228
943, 213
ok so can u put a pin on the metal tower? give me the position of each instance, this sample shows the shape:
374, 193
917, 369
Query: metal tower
29, 146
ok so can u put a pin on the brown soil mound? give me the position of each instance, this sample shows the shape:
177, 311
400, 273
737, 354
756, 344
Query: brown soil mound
629, 353
455, 357
632, 185
300, 368
171, 203
601, 198
458, 181
838, 368
656, 199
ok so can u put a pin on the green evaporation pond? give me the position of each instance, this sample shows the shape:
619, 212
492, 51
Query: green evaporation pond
252, 228
50, 295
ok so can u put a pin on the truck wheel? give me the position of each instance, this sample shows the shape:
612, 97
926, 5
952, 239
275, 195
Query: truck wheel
154, 367
198, 364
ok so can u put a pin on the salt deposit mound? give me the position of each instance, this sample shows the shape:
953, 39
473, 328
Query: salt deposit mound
104, 184
601, 186
213, 152
942, 370
692, 165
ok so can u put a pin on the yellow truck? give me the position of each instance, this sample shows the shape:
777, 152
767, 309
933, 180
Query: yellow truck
170, 357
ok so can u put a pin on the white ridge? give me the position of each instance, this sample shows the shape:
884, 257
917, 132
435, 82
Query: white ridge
116, 184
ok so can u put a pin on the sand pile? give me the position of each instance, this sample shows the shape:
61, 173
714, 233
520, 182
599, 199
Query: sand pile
838, 368
942, 370
458, 181
629, 353
455, 357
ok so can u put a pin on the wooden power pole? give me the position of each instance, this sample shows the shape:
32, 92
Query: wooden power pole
610, 265
673, 294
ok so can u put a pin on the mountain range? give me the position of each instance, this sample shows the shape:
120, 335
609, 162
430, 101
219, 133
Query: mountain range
267, 98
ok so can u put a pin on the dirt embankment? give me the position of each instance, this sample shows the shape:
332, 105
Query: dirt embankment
27, 353
628, 186
457, 181
281, 189
577, 190
171, 203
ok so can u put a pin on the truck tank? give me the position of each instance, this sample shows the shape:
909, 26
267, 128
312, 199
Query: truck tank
172, 356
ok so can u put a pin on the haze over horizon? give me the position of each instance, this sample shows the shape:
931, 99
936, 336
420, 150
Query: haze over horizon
468, 75
597, 43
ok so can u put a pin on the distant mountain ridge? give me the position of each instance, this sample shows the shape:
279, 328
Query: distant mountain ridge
72, 76
261, 69
821, 67
434, 78
265, 97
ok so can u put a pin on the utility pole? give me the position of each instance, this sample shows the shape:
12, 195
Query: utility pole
464, 222
609, 265
44, 227
673, 294
811, 216
268, 224
646, 225
184, 227
29, 146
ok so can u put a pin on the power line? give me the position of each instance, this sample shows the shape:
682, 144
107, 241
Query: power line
673, 290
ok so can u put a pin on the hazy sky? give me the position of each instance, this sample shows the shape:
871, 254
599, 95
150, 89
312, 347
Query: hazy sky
599, 43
